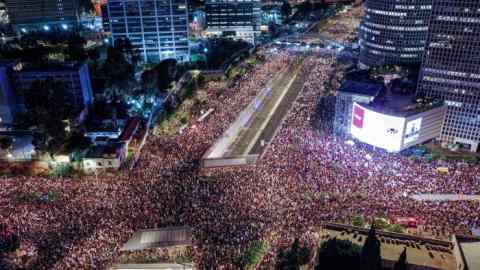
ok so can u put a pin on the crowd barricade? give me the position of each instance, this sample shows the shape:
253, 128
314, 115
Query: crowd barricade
230, 161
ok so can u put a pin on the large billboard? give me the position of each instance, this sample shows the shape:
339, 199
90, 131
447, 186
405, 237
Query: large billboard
412, 130
380, 130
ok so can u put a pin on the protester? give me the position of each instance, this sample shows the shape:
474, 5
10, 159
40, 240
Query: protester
307, 176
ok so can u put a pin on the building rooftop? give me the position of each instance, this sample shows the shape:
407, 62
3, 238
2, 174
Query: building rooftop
362, 88
162, 248
130, 129
7, 62
51, 66
470, 251
403, 105
104, 151
425, 253
106, 126
164, 237
400, 101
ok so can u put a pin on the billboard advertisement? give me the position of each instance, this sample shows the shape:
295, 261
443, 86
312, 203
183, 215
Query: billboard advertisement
380, 130
412, 130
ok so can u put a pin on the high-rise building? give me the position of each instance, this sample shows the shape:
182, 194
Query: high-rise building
46, 15
451, 68
8, 100
158, 28
74, 75
394, 32
233, 18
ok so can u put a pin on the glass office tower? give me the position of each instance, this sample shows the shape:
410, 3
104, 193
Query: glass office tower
158, 28
394, 32
451, 68
233, 19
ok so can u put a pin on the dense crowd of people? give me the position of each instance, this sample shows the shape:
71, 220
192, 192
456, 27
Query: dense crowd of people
342, 30
66, 223
335, 181
307, 176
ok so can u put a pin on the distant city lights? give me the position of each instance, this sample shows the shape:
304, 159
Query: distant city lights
64, 26
46, 28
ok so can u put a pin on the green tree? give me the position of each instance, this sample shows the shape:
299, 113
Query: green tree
6, 142
117, 92
358, 221
286, 259
305, 7
77, 141
371, 257
86, 6
129, 51
116, 67
273, 29
338, 254
75, 49
150, 81
401, 264
51, 136
34, 55
294, 257
330, 254
50, 110
166, 71
253, 255
118, 70
286, 9
381, 223
51, 97
94, 56
397, 228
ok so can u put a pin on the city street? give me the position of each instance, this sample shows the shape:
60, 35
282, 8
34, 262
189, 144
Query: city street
305, 176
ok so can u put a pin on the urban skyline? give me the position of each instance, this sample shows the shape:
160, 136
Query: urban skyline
230, 134
159, 29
